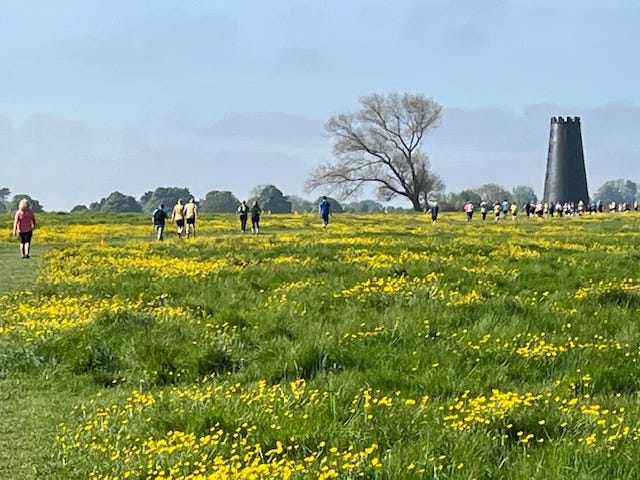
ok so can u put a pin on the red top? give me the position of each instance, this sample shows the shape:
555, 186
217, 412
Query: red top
24, 221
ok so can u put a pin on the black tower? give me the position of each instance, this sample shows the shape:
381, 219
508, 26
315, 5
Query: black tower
566, 177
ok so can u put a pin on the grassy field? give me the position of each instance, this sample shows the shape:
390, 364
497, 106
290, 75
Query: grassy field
382, 347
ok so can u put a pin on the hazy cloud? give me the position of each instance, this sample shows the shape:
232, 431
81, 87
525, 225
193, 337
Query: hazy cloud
470, 148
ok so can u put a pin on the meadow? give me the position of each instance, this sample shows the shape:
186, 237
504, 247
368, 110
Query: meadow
384, 347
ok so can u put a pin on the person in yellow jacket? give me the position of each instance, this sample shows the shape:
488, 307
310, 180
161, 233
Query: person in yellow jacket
177, 216
190, 216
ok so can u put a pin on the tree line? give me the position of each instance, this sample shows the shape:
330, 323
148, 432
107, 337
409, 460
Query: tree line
270, 198
380, 146
273, 200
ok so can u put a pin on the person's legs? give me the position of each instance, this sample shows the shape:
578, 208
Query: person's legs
191, 227
25, 244
160, 230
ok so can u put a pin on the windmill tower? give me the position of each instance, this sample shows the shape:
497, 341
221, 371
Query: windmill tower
566, 177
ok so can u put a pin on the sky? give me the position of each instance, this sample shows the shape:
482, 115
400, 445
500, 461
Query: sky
131, 95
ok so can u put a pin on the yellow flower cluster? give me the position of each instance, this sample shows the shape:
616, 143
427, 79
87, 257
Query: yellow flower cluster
29, 316
219, 452
397, 286
496, 412
537, 346
280, 295
607, 286
464, 412
516, 251
89, 265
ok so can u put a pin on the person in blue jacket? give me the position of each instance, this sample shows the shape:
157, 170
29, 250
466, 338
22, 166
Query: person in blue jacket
324, 208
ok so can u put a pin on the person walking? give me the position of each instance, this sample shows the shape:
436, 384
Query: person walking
324, 208
497, 210
177, 216
190, 217
484, 208
505, 208
434, 208
24, 222
468, 208
255, 217
159, 217
243, 212
514, 211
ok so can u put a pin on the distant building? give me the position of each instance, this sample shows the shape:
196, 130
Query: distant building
566, 178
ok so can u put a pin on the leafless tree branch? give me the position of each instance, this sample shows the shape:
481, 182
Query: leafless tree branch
380, 145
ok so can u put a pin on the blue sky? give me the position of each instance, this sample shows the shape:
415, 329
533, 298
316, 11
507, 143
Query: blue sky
98, 96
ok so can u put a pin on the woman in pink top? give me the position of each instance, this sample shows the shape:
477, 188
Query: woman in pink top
23, 224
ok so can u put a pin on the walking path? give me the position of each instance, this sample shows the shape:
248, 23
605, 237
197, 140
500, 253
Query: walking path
23, 440
20, 452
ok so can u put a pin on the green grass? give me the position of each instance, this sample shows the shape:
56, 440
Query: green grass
18, 273
26, 413
122, 339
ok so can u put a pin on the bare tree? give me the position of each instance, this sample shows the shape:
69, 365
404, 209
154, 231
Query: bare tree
380, 145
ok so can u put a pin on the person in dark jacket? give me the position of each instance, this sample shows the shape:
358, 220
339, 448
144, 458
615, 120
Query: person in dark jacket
243, 212
159, 217
255, 217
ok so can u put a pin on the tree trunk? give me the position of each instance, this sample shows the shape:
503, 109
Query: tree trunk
415, 200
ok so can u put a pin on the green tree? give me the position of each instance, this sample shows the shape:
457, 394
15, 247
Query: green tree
299, 204
272, 200
35, 204
4, 194
455, 201
118, 202
217, 201
492, 192
620, 190
364, 206
167, 195
144, 199
521, 194
335, 205
256, 191
3, 207
380, 145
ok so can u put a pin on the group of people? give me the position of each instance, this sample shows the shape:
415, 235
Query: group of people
505, 209
244, 211
324, 209
541, 209
183, 215
568, 209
